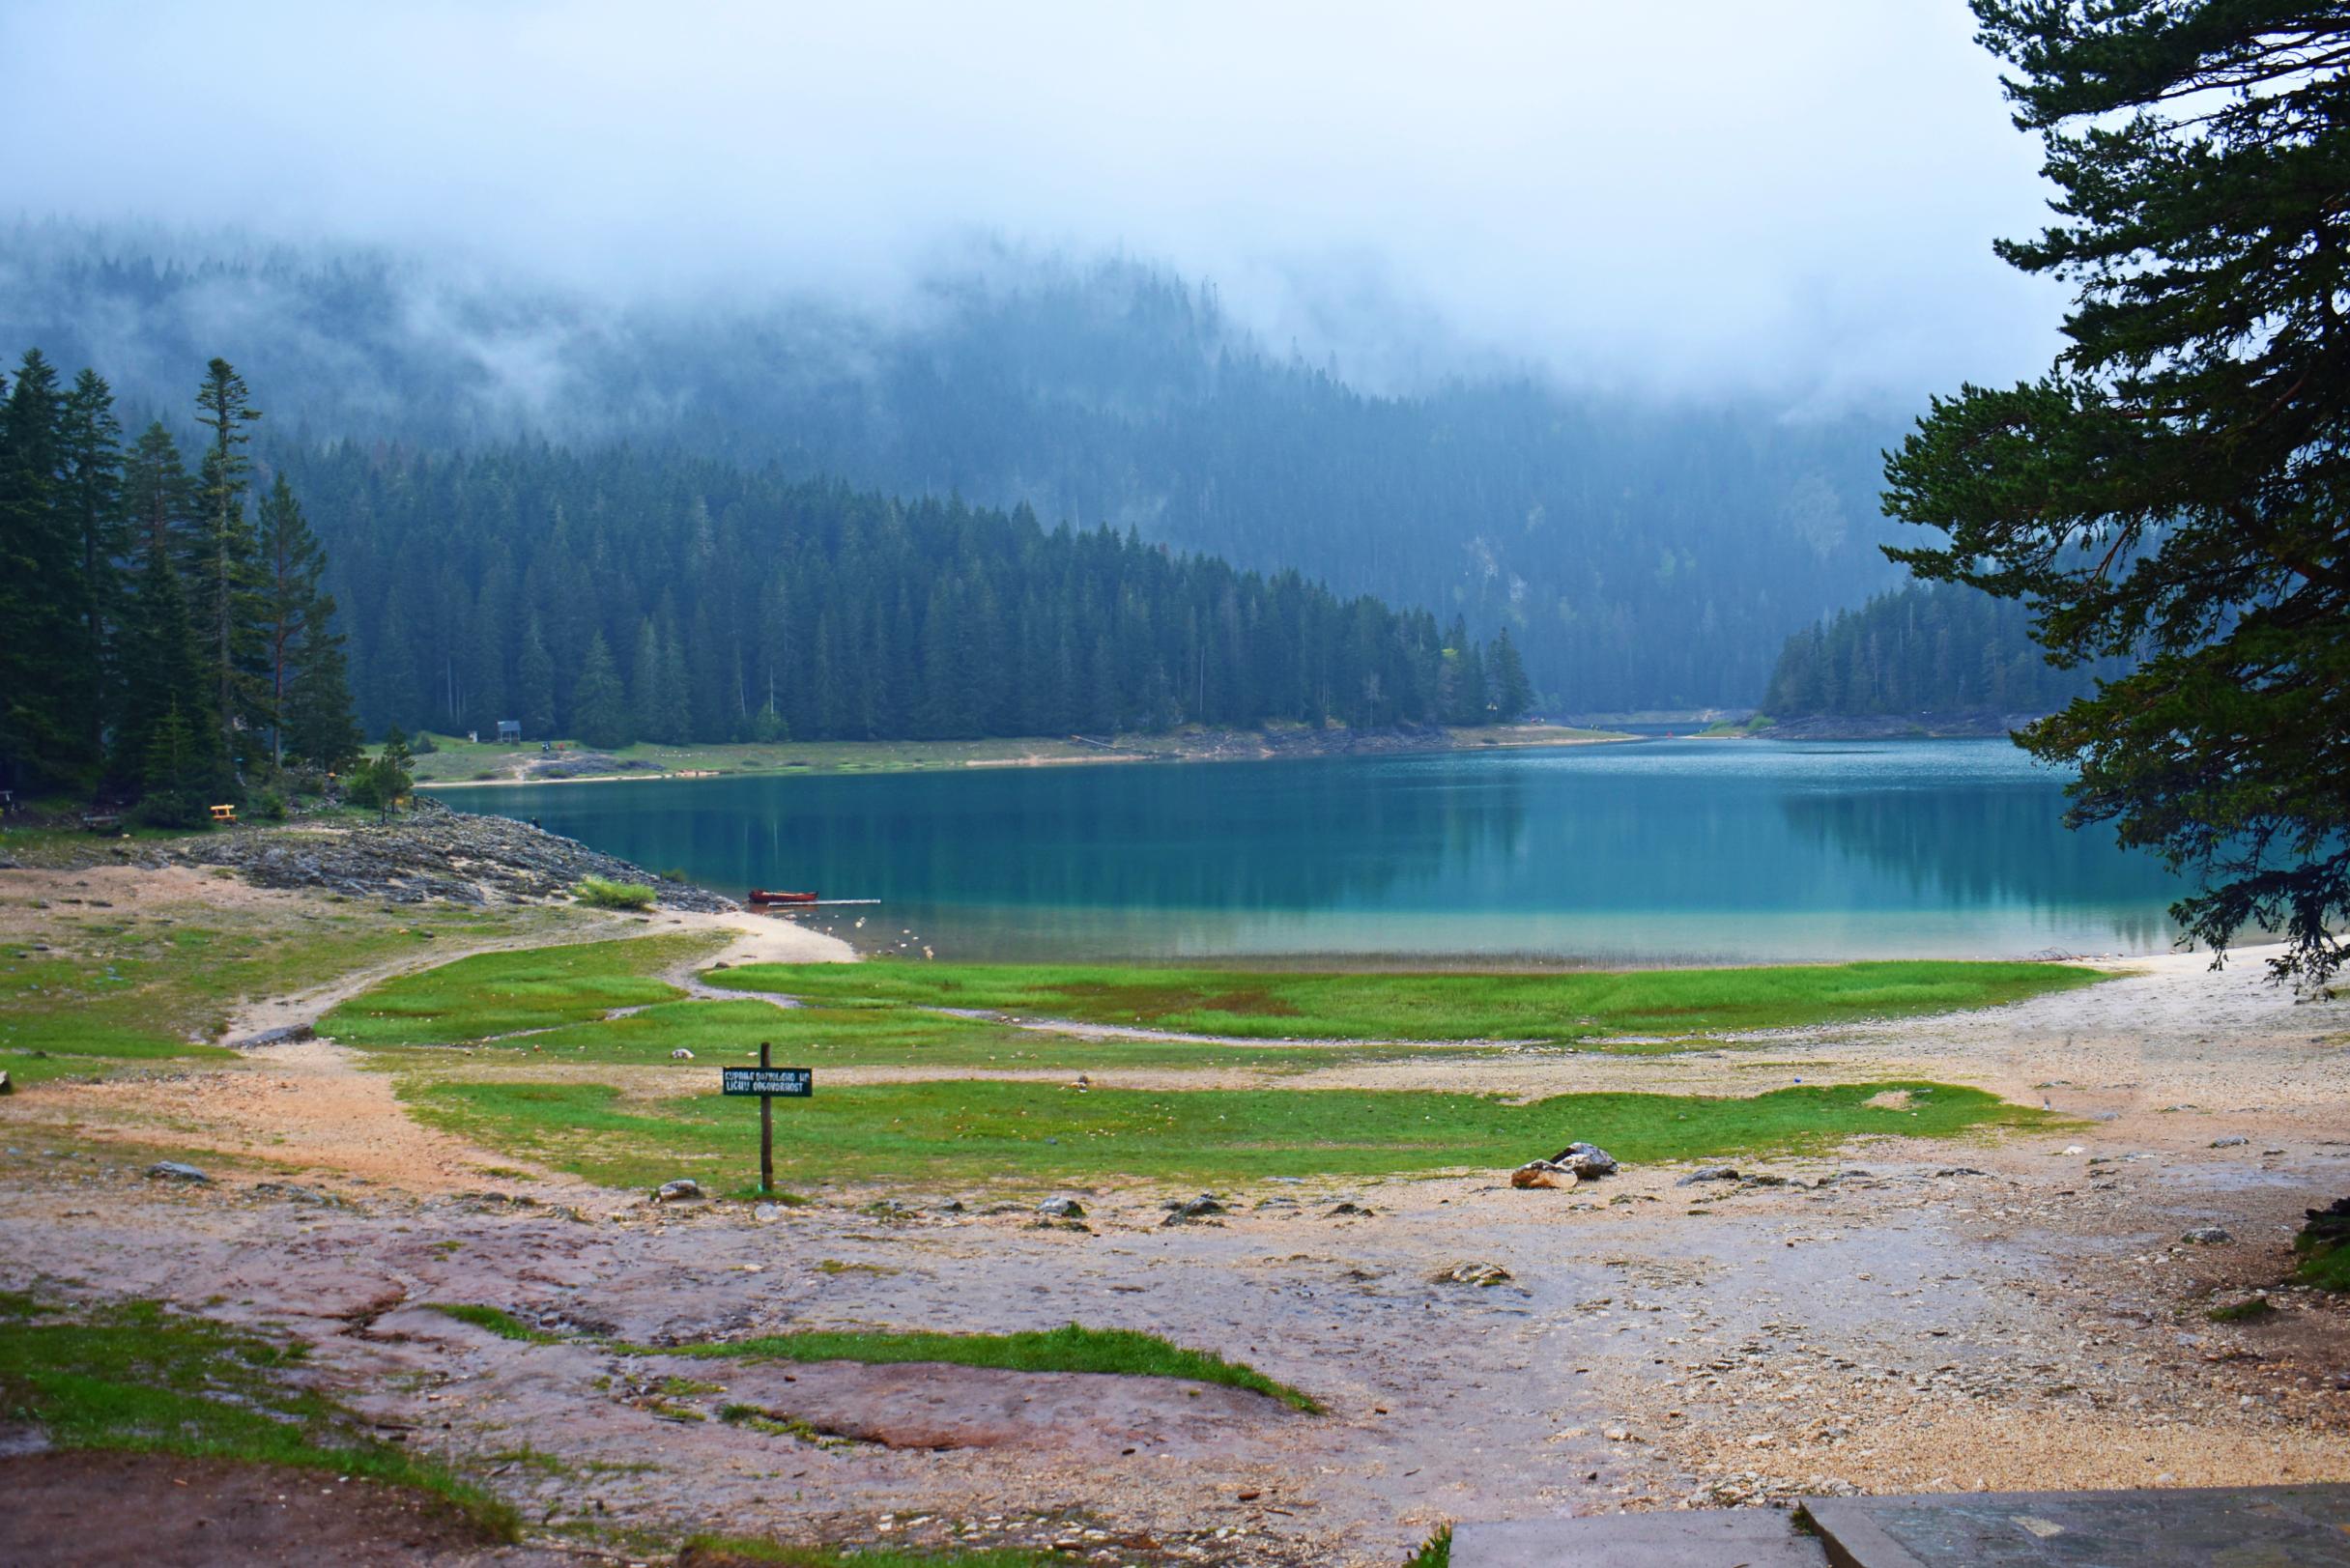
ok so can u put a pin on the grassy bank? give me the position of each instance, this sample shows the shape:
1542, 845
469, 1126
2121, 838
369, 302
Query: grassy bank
87, 989
1425, 1007
993, 1131
455, 760
133, 1375
1070, 1347
503, 993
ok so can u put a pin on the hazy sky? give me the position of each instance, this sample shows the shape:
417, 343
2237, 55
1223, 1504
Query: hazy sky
1796, 196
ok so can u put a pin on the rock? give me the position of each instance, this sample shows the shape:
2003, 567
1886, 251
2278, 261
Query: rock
681, 1054
2233, 1140
1474, 1274
171, 1170
767, 1213
1586, 1160
685, 1189
1708, 1173
292, 1193
425, 854
7, 1086
1199, 1208
1541, 1173
2208, 1235
1061, 1209
2074, 1149
1340, 1211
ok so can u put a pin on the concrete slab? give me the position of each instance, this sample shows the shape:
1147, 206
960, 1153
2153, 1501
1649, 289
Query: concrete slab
2278, 1527
1716, 1538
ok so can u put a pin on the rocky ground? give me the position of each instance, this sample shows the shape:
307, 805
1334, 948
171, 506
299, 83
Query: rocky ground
1894, 1314
429, 852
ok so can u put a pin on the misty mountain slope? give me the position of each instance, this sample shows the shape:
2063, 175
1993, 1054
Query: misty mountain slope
1643, 556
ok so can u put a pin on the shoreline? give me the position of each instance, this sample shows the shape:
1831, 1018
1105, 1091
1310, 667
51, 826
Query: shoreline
761, 759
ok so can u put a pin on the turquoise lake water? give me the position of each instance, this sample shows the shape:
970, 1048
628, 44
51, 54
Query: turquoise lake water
1653, 852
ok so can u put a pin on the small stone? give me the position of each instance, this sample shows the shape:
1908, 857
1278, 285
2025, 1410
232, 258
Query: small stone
1341, 1210
1199, 1208
1474, 1274
2234, 1140
767, 1213
2208, 1235
2074, 1149
1061, 1209
685, 1189
681, 1054
1708, 1173
6, 1087
171, 1170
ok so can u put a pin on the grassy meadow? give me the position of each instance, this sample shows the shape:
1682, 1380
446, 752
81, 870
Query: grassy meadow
993, 1132
1558, 1007
99, 989
567, 1062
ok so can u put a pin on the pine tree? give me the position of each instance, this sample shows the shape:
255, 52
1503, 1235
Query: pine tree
1512, 697
291, 604
162, 671
599, 706
89, 489
175, 775
42, 735
228, 577
319, 726
534, 678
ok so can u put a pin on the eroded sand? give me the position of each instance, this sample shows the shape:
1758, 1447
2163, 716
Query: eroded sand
1976, 1313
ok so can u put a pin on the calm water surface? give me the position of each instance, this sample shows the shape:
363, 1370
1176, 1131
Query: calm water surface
1660, 851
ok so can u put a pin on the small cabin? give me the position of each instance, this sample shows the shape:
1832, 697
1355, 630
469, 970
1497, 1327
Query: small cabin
509, 730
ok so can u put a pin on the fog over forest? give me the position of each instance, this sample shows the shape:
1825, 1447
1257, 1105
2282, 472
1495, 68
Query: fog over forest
1526, 317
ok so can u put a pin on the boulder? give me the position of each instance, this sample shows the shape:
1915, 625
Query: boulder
2234, 1140
2209, 1236
1061, 1209
681, 1054
767, 1213
685, 1189
1585, 1160
1708, 1173
1343, 1211
171, 1170
1542, 1173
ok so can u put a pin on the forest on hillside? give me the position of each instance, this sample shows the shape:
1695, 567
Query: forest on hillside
1927, 649
622, 595
1641, 556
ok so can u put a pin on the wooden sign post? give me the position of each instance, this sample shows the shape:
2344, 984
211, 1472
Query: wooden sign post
767, 1081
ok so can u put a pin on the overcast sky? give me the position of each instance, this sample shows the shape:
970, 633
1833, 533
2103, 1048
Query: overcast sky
1796, 196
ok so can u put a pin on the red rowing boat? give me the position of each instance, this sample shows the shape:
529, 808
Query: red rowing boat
764, 895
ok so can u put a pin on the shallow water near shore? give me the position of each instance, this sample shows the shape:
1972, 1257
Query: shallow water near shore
1666, 851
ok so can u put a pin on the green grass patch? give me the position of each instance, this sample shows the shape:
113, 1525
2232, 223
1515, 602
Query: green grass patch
2251, 1309
1436, 1552
502, 993
1423, 1007
128, 987
135, 1377
1071, 1348
730, 1032
993, 1131
602, 893
505, 1324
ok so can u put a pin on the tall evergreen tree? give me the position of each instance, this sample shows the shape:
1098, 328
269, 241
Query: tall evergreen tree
534, 682
89, 489
228, 574
2175, 486
291, 605
44, 737
1512, 697
599, 706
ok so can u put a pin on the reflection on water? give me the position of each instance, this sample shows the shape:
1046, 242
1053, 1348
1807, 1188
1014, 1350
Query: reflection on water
1666, 851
